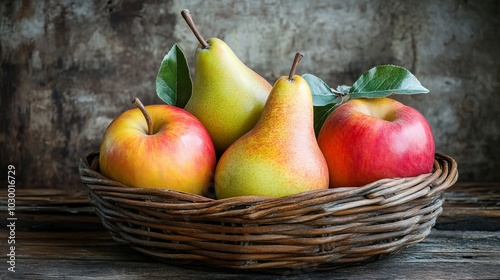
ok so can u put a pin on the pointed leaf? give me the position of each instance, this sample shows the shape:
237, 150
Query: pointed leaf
322, 94
173, 82
385, 80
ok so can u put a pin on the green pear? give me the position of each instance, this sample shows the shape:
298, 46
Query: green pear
279, 156
227, 97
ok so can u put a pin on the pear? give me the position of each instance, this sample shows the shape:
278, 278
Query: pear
227, 97
279, 156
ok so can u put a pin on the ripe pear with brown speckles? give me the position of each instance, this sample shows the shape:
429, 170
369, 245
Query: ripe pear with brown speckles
279, 156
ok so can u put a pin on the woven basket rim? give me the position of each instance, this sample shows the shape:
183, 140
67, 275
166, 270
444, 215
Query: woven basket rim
444, 175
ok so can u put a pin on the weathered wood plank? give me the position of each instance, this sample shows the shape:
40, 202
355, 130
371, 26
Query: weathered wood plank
471, 206
70, 269
392, 268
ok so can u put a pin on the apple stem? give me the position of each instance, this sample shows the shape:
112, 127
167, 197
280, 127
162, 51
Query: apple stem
189, 20
141, 107
296, 60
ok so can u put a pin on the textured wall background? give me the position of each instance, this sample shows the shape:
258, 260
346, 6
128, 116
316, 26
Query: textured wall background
69, 67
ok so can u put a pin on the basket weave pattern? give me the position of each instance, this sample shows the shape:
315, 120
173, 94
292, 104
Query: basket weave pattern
323, 228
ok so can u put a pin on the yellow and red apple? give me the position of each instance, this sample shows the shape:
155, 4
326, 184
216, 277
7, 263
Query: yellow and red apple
158, 146
365, 140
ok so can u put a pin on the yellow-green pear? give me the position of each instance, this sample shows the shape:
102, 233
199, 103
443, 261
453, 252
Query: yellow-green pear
227, 97
279, 156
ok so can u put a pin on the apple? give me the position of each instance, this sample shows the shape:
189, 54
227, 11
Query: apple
158, 146
364, 140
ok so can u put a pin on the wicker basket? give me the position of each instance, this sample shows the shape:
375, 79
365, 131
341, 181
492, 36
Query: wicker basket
315, 229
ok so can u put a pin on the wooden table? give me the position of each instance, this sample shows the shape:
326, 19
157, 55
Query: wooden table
59, 237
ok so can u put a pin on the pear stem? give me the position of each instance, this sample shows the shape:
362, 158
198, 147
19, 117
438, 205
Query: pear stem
296, 60
189, 20
141, 107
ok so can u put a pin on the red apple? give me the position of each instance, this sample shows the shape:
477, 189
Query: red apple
158, 146
365, 140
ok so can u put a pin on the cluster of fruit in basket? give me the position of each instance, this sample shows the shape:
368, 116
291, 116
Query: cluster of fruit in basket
230, 131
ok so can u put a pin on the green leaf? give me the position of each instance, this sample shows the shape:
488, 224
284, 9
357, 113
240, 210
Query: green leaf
384, 80
320, 115
343, 89
173, 82
325, 100
322, 94
380, 81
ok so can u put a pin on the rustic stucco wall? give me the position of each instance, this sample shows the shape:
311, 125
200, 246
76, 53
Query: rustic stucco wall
69, 67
